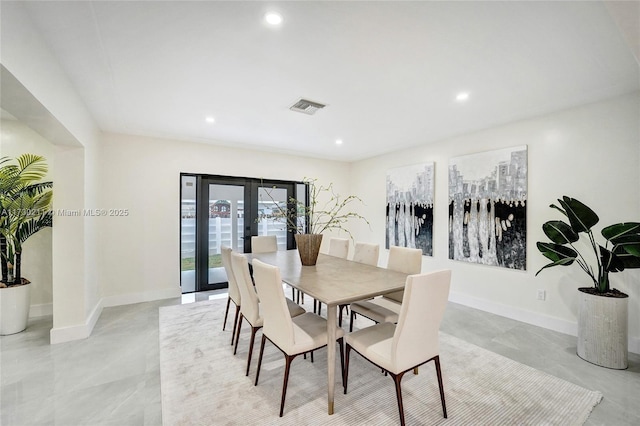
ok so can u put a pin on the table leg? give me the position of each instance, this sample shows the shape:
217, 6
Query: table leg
331, 354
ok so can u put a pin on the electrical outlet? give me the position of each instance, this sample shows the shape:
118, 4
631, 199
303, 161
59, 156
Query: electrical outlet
541, 294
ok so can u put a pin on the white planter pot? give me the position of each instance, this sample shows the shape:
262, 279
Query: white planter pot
603, 330
14, 308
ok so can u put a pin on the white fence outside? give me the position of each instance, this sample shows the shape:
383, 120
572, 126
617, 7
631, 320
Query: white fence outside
221, 232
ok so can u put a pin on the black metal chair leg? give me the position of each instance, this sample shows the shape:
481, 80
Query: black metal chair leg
341, 342
235, 348
439, 373
235, 322
353, 317
253, 336
226, 313
345, 374
397, 379
260, 359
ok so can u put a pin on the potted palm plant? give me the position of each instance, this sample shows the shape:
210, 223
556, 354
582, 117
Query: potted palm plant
25, 208
308, 222
602, 317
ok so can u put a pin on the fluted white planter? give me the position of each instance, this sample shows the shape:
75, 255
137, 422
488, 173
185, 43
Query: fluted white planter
14, 308
603, 330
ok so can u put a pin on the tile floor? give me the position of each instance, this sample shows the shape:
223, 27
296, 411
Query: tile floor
113, 377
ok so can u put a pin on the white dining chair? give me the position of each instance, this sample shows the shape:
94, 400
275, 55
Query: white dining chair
264, 244
366, 253
387, 307
250, 309
269, 244
234, 292
292, 336
414, 341
339, 247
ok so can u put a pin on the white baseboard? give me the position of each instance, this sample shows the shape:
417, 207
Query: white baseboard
551, 323
41, 310
82, 331
76, 332
146, 296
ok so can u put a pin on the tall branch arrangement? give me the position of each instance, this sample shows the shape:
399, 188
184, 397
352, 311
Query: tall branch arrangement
332, 214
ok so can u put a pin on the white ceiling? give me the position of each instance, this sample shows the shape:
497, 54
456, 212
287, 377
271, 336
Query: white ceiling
388, 71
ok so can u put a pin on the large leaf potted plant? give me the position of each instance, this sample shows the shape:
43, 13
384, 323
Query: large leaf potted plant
25, 208
309, 221
602, 317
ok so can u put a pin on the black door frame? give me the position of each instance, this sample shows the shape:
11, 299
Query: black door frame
251, 202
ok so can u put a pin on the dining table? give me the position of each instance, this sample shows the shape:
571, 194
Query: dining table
333, 281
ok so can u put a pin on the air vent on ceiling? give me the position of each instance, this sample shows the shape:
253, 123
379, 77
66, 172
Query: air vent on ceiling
306, 106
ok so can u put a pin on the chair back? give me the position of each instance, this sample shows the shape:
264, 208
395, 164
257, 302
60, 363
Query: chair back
250, 307
264, 244
278, 326
416, 336
234, 292
339, 247
366, 253
403, 259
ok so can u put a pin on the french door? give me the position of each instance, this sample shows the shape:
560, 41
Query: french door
223, 210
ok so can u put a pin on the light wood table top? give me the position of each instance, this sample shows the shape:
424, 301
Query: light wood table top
333, 280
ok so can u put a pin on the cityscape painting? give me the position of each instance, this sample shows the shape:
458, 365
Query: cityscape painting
409, 216
487, 208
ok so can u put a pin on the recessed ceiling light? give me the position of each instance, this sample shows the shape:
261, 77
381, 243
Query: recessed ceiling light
210, 120
338, 141
273, 18
462, 96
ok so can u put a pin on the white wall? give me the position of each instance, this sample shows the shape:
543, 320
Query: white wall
590, 153
26, 55
16, 139
139, 254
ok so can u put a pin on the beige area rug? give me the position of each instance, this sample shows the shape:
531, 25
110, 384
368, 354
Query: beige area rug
203, 383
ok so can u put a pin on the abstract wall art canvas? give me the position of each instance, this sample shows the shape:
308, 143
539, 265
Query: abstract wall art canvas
487, 208
409, 215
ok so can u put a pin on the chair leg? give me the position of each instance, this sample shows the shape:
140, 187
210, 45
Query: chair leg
353, 317
439, 373
253, 337
345, 373
235, 322
341, 307
224, 324
311, 356
235, 348
415, 371
341, 342
397, 379
287, 368
260, 359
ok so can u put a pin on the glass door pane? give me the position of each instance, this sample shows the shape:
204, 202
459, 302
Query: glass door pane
272, 210
225, 225
188, 233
